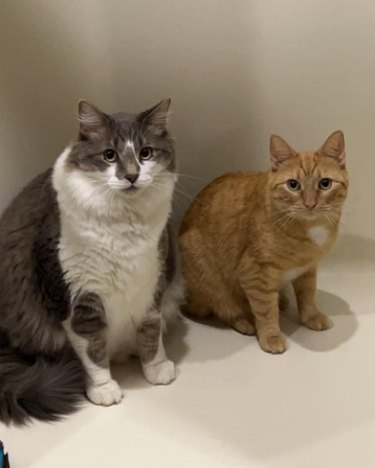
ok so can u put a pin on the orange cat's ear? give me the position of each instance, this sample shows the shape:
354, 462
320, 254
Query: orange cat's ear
280, 151
334, 148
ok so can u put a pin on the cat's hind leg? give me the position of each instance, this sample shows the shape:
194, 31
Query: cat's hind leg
157, 368
226, 310
207, 293
193, 309
243, 325
86, 330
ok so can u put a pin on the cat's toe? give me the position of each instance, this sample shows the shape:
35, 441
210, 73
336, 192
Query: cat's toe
107, 394
275, 344
319, 322
162, 373
243, 326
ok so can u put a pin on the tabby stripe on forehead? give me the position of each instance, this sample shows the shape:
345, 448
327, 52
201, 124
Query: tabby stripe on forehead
132, 165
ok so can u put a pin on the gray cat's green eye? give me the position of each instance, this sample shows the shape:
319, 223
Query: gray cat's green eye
325, 184
110, 156
293, 184
145, 153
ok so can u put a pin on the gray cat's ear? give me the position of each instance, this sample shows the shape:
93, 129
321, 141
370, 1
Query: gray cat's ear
92, 121
158, 115
280, 151
334, 148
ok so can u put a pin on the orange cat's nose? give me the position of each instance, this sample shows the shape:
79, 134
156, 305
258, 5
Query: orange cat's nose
310, 205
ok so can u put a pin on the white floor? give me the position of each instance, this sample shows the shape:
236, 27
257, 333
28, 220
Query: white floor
233, 405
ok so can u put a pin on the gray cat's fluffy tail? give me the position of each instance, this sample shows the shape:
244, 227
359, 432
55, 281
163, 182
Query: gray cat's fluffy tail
39, 387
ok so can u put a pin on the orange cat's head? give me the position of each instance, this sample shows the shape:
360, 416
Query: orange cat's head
308, 185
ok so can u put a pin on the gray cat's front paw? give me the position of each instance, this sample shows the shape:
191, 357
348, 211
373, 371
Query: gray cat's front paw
107, 394
162, 373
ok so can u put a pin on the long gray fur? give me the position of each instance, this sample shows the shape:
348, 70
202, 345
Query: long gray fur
40, 375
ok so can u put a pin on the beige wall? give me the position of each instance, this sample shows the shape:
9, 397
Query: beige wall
237, 71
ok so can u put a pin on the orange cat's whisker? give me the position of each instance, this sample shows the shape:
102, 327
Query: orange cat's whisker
247, 234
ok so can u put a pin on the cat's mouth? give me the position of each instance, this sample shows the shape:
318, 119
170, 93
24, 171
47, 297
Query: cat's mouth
310, 214
137, 187
131, 190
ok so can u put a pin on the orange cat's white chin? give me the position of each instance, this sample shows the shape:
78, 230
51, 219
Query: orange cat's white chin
310, 214
314, 215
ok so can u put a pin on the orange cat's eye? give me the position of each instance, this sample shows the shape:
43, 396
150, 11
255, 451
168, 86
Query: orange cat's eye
325, 184
293, 184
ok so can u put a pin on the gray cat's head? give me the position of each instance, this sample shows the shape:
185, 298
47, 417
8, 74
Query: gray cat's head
125, 152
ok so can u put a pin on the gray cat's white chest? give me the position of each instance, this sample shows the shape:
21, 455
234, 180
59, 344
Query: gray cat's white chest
121, 266
127, 304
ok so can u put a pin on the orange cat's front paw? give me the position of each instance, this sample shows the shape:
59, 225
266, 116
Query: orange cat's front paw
275, 344
319, 322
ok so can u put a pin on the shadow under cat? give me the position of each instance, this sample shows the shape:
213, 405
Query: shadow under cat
321, 341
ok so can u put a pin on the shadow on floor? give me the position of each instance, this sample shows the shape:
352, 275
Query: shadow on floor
327, 340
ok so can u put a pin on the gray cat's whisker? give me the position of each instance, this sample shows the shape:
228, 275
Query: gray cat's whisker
89, 271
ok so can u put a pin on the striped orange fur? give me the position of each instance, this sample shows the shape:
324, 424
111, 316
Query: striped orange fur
247, 234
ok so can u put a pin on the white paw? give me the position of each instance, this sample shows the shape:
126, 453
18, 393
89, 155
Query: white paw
105, 395
160, 374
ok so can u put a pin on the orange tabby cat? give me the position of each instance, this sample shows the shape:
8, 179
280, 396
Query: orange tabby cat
247, 234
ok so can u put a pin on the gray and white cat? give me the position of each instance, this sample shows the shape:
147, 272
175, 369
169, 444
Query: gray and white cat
87, 267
